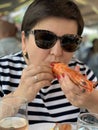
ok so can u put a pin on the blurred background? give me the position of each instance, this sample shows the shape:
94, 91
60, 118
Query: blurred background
15, 9
13, 12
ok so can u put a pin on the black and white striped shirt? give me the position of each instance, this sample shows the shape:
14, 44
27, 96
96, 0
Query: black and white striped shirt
50, 104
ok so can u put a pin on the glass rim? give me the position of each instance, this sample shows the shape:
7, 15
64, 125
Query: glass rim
85, 123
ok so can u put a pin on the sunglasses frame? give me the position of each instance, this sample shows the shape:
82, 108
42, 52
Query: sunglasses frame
76, 39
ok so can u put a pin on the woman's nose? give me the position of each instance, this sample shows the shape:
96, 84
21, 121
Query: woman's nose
57, 49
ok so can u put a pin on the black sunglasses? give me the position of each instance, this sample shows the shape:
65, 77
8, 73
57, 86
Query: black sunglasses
45, 39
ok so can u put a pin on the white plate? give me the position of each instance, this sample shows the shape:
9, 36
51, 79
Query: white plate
46, 126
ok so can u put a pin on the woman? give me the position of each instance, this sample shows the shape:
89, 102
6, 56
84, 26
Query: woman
51, 32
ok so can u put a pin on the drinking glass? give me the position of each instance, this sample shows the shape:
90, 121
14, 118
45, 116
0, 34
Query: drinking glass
13, 113
87, 121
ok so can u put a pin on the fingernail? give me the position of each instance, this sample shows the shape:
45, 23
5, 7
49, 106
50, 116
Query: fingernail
52, 64
58, 77
63, 75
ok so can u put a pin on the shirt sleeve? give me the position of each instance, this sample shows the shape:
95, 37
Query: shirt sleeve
1, 92
91, 76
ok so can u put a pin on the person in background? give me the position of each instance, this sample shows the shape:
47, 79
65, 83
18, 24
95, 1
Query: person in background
84, 47
9, 43
92, 56
51, 32
88, 53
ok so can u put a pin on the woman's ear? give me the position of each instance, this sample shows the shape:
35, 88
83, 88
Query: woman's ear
23, 40
24, 47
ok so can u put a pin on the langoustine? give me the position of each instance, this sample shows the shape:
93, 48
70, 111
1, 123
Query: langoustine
59, 126
75, 77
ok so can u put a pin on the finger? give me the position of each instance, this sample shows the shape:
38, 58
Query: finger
31, 66
42, 77
33, 70
38, 83
35, 79
68, 85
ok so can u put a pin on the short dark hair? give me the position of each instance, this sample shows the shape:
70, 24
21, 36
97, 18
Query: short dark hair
95, 40
41, 9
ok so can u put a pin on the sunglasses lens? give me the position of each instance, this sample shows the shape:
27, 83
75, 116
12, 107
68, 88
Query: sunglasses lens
44, 39
70, 43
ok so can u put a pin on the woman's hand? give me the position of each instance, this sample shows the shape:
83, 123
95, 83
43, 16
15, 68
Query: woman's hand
33, 79
78, 96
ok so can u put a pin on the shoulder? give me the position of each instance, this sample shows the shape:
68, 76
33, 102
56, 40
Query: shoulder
76, 62
15, 61
12, 57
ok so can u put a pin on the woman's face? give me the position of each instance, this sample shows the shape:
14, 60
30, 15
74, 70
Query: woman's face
56, 53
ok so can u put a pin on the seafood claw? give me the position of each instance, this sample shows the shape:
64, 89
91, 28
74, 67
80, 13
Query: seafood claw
77, 78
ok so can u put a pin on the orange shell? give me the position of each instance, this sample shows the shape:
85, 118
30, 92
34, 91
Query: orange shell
64, 126
75, 77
